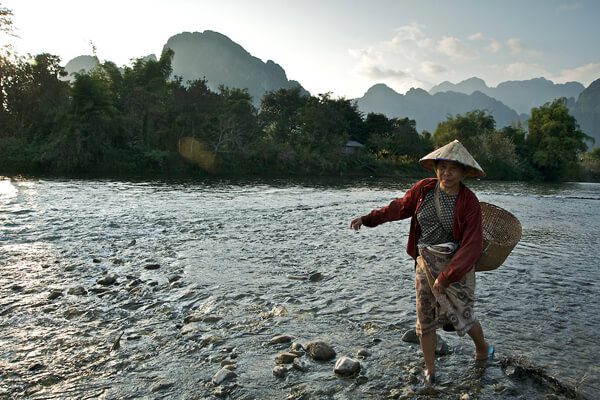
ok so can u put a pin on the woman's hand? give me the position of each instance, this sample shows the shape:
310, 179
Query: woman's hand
356, 223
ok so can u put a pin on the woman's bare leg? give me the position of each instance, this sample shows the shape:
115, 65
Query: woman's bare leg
428, 348
481, 346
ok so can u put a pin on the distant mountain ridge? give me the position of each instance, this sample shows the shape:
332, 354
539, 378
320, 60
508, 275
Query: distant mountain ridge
221, 61
521, 96
427, 109
587, 111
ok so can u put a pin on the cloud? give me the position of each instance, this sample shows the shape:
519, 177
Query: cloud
585, 74
493, 45
432, 69
454, 48
517, 46
477, 36
411, 35
525, 70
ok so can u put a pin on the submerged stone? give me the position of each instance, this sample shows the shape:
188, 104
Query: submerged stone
346, 366
320, 351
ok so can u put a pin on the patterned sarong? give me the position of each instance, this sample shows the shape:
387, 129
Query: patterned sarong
435, 309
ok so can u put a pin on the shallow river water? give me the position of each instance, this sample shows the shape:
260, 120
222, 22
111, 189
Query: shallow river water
207, 272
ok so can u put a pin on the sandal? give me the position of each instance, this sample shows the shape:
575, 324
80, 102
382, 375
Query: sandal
490, 356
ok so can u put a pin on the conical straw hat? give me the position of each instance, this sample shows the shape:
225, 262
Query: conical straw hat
453, 151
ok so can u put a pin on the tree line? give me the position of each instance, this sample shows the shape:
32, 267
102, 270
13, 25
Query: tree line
132, 120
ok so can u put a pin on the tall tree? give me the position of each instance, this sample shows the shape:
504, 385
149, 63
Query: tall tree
555, 140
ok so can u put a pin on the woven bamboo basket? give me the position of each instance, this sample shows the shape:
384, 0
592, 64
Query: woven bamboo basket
501, 232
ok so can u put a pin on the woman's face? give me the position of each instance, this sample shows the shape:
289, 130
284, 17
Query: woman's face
450, 173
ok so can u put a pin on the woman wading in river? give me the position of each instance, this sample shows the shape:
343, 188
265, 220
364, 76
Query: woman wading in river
445, 239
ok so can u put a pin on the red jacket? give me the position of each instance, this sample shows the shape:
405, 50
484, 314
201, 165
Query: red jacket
466, 228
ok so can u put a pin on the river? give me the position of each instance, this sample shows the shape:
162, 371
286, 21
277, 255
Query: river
207, 272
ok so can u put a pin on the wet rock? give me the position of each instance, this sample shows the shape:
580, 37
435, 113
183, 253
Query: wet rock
132, 243
173, 278
299, 365
363, 353
315, 277
96, 260
346, 366
161, 386
285, 357
222, 376
16, 288
107, 280
37, 367
441, 347
320, 351
296, 347
280, 339
410, 336
216, 358
152, 266
229, 364
117, 261
279, 371
221, 391
117, 343
51, 379
465, 397
55, 294
77, 291
135, 282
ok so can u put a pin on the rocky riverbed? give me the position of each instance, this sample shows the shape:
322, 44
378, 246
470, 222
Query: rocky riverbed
146, 291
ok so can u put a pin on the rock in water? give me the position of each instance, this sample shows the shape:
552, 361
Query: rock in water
279, 371
280, 339
107, 280
410, 336
346, 366
285, 357
222, 376
320, 351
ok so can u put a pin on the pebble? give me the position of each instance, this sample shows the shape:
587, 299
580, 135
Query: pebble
346, 366
280, 339
55, 294
152, 266
280, 371
222, 376
298, 365
285, 357
107, 280
410, 336
320, 351
161, 386
363, 353
77, 291
441, 347
317, 276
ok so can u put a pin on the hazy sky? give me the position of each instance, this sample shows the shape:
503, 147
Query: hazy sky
343, 47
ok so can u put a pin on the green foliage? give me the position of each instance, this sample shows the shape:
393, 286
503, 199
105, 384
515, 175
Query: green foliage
555, 141
466, 128
112, 122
